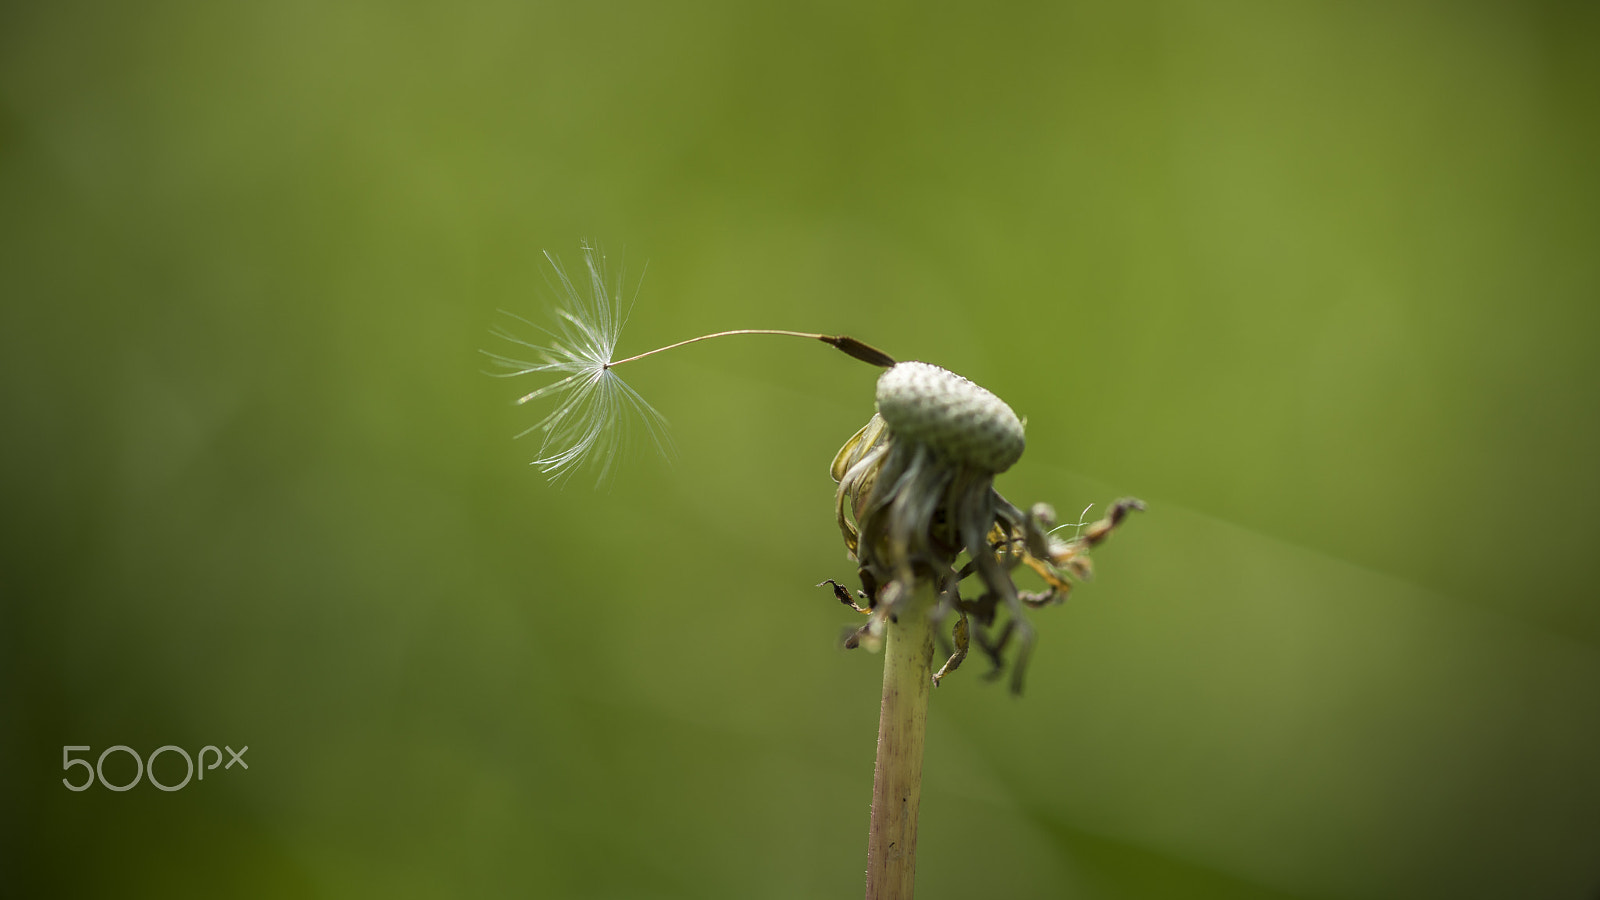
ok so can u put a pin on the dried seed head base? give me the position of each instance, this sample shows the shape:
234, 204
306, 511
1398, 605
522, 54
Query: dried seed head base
916, 491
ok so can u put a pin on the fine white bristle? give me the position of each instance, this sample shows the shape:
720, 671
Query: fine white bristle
594, 405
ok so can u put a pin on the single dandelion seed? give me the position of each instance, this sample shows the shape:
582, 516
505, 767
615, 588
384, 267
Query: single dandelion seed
595, 409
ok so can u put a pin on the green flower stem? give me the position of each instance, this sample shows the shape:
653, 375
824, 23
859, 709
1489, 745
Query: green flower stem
902, 727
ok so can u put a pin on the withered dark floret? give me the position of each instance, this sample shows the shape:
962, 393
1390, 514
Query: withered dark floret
916, 500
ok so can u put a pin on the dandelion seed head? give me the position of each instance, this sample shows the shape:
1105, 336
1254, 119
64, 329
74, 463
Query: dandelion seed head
595, 410
916, 495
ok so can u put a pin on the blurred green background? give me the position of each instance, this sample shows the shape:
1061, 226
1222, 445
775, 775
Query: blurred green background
1318, 281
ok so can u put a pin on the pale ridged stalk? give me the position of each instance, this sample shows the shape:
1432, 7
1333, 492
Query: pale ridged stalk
902, 728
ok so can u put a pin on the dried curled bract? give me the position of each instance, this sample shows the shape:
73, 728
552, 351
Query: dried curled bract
916, 497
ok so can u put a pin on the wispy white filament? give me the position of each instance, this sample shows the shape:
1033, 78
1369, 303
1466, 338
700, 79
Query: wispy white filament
594, 406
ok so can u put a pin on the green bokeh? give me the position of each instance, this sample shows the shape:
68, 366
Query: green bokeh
1318, 281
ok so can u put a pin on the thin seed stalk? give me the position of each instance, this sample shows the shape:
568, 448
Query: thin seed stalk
902, 727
